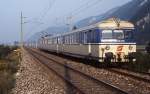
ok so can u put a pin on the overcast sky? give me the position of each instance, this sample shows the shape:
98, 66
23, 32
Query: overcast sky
47, 12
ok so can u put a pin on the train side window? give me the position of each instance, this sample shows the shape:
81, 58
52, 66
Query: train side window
85, 37
45, 41
61, 40
52, 40
82, 37
97, 35
89, 39
75, 40
65, 39
68, 39
55, 40
71, 38
92, 36
58, 39
49, 41
78, 38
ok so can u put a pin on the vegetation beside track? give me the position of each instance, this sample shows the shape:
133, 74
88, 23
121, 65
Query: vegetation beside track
9, 64
142, 63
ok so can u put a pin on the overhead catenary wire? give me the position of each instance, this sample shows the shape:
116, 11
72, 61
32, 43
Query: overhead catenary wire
69, 17
88, 5
51, 3
80, 10
75, 12
39, 20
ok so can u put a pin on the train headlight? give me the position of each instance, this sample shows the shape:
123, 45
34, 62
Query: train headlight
107, 47
130, 47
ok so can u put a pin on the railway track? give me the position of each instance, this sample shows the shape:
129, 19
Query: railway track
83, 83
72, 88
141, 76
139, 72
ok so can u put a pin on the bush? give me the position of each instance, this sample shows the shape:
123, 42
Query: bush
5, 50
142, 62
8, 67
7, 82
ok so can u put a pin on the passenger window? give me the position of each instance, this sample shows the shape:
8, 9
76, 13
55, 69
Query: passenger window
85, 37
89, 35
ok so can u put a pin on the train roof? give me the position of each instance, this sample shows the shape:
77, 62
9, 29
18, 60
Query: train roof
112, 23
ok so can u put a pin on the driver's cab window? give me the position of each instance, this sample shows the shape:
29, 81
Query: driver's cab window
118, 34
107, 34
128, 34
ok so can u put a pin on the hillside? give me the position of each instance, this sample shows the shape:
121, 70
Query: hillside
136, 11
142, 21
121, 12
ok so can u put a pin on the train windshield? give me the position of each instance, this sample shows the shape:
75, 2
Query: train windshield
128, 34
107, 34
117, 35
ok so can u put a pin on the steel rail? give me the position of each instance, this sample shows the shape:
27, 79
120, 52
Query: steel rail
112, 87
129, 75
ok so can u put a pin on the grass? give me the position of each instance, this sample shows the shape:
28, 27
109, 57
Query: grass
9, 65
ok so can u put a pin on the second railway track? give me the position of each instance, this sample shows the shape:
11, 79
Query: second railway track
83, 82
145, 77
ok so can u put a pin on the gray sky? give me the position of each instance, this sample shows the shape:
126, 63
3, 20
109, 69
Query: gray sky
48, 12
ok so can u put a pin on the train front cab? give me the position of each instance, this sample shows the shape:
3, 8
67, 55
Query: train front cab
116, 45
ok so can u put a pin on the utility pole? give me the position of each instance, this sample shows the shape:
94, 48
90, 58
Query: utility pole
21, 33
21, 36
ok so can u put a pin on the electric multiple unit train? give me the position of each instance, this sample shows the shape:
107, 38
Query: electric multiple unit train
111, 40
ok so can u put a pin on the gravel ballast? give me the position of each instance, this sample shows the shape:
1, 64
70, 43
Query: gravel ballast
132, 86
32, 79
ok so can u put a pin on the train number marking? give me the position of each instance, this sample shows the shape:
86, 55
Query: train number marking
119, 48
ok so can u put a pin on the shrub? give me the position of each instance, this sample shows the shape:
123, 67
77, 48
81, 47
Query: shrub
142, 62
7, 82
8, 67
